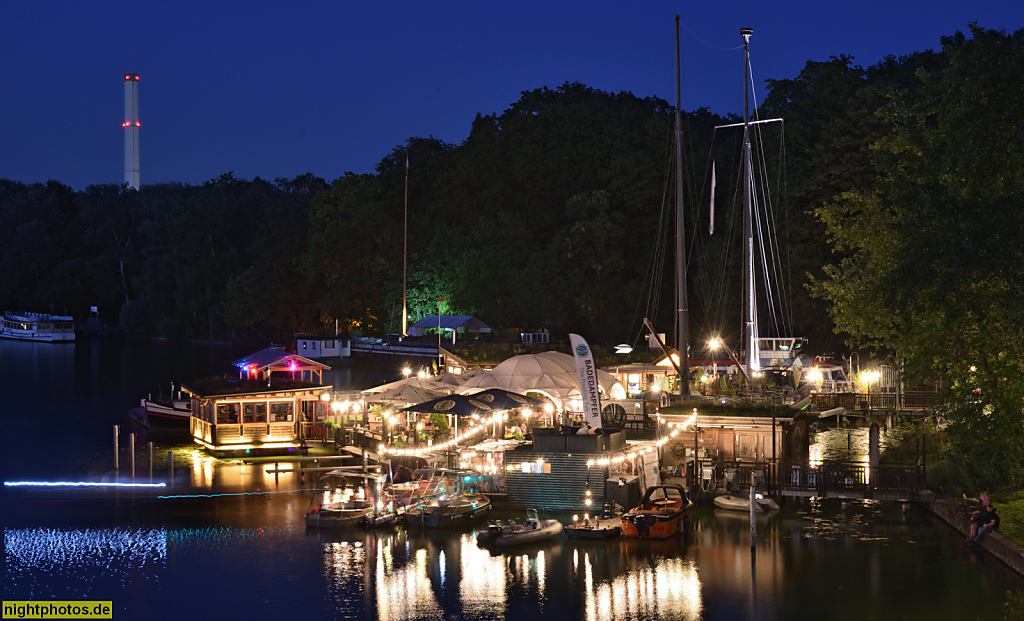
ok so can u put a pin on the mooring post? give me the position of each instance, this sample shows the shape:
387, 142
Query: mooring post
150, 462
753, 533
115, 449
131, 451
276, 473
170, 468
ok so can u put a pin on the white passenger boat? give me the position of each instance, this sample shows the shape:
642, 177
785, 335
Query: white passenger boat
24, 326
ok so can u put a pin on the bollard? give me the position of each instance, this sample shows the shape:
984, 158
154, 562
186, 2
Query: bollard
115, 447
131, 451
150, 462
170, 468
753, 531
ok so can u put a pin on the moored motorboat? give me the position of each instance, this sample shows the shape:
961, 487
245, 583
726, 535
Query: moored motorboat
741, 503
661, 514
735, 503
594, 528
167, 409
533, 530
439, 497
440, 512
345, 499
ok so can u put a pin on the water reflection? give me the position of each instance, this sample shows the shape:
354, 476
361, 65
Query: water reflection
670, 588
74, 560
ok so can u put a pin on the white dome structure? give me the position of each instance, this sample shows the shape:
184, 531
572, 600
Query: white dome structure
550, 373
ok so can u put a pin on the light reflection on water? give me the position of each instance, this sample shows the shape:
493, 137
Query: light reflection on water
78, 558
394, 574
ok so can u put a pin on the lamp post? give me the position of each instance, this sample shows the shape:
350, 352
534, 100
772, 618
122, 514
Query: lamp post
714, 344
869, 377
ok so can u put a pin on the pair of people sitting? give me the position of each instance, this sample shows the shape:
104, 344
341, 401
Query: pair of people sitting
984, 521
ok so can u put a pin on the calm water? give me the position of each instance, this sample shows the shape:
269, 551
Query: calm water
230, 557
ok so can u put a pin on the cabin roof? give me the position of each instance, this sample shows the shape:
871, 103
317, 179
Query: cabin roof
215, 386
279, 359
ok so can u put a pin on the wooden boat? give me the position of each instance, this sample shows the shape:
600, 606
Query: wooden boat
444, 500
346, 499
512, 534
741, 503
661, 514
168, 409
594, 528
39, 327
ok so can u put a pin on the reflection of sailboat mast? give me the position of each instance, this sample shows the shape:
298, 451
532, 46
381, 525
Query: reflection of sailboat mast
750, 304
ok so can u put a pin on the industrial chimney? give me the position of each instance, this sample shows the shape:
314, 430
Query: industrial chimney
131, 130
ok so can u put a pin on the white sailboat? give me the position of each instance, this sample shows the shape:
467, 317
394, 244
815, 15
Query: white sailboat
759, 353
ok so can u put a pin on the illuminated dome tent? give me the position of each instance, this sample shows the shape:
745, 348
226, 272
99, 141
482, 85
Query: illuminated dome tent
551, 373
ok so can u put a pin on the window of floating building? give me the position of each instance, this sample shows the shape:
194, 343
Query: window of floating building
227, 413
281, 412
255, 413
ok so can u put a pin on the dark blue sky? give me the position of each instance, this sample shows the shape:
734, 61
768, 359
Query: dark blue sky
276, 89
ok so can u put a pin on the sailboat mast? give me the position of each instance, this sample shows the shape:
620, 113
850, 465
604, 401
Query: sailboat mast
682, 312
405, 251
751, 354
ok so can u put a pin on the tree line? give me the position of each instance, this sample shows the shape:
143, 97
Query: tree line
900, 218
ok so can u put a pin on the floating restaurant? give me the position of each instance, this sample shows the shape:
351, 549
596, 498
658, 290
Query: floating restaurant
259, 411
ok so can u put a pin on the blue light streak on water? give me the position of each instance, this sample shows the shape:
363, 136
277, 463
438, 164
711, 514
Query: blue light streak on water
78, 484
283, 491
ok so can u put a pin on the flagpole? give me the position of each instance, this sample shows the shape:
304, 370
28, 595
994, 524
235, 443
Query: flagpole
405, 250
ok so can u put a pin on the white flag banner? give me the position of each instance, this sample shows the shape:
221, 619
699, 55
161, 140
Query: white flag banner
586, 371
711, 219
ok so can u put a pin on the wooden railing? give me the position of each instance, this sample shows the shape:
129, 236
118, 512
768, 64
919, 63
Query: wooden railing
852, 401
822, 479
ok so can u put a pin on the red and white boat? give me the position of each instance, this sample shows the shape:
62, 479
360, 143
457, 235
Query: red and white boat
166, 409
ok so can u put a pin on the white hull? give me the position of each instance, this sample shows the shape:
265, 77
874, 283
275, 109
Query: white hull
37, 327
178, 411
543, 531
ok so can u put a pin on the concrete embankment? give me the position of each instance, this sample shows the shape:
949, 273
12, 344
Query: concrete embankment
1011, 554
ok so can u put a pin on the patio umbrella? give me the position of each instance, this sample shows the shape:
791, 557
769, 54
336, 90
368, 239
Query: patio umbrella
404, 394
501, 399
457, 405
428, 383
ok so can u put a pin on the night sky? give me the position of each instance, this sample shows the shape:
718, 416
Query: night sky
275, 89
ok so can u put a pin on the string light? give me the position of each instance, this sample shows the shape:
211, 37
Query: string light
419, 452
634, 452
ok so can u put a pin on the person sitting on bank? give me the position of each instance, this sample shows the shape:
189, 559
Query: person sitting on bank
991, 523
978, 517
